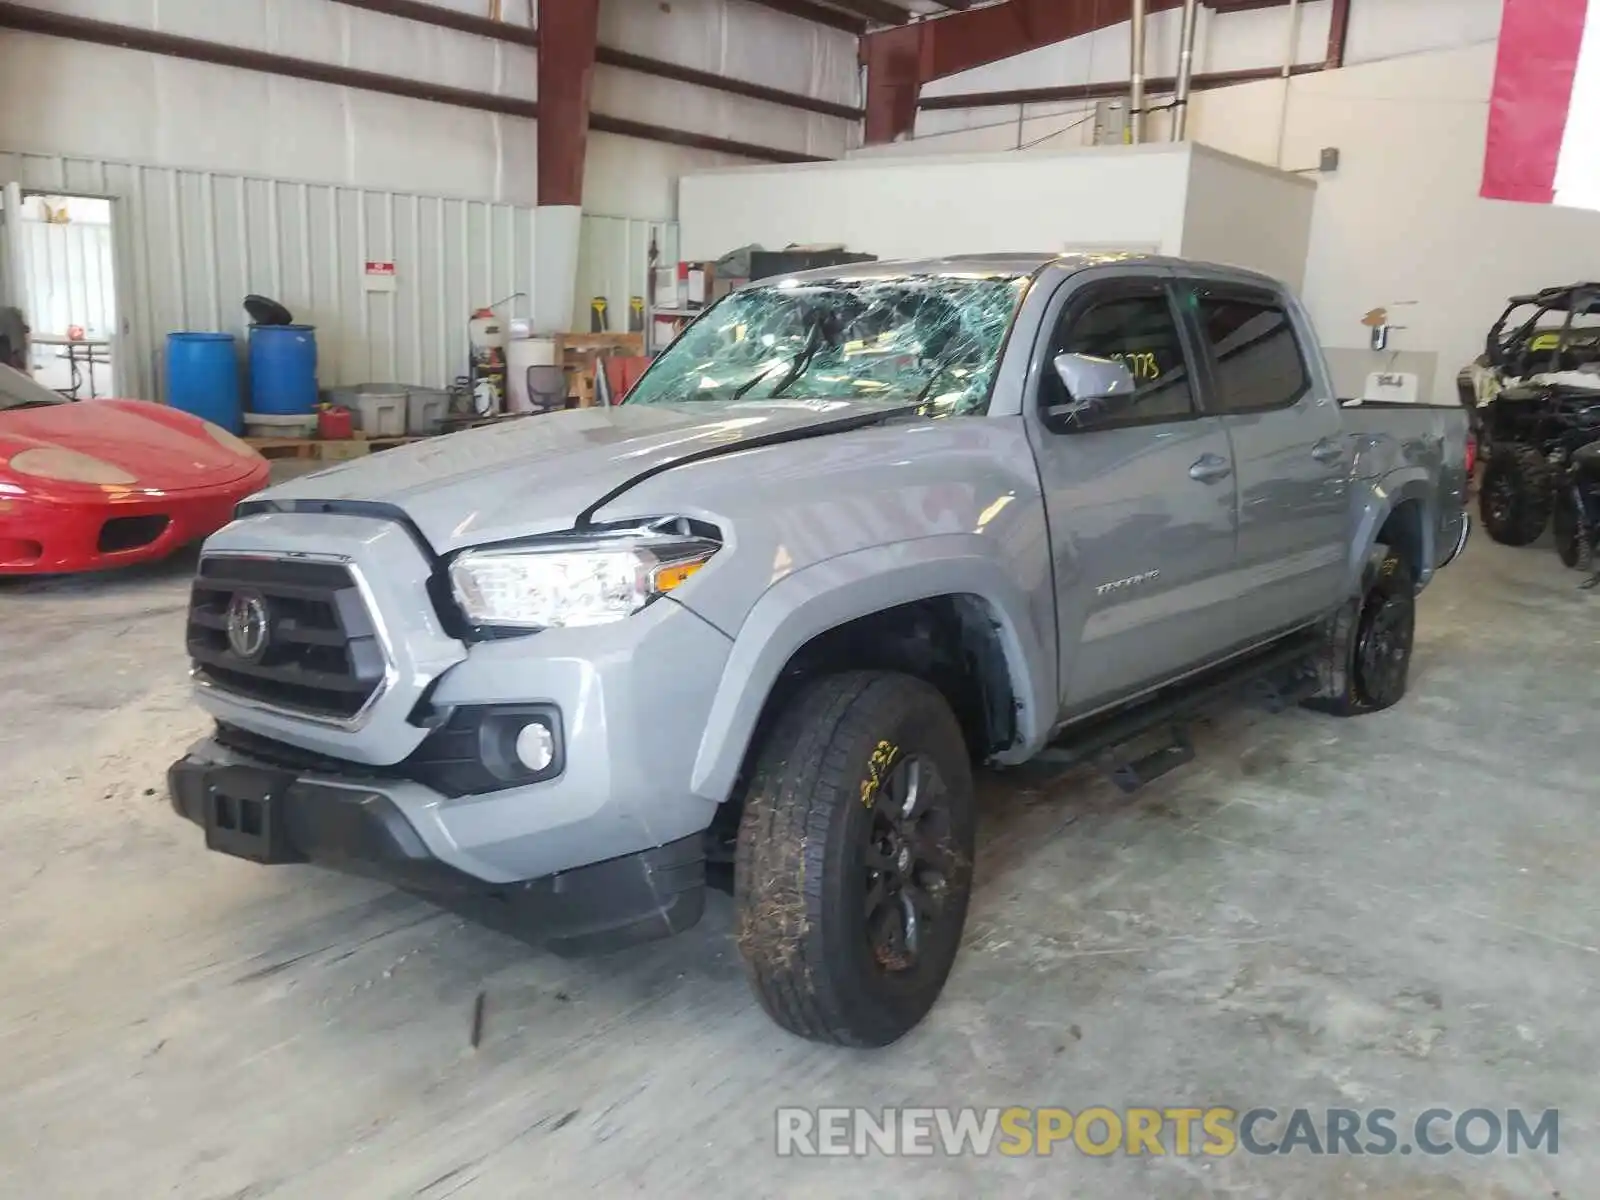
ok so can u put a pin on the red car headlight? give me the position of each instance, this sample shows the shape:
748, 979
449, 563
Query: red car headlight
68, 466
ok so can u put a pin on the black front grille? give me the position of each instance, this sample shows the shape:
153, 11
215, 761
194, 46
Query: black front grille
295, 758
321, 654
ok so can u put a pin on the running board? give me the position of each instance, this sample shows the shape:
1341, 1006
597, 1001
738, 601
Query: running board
1132, 774
1256, 678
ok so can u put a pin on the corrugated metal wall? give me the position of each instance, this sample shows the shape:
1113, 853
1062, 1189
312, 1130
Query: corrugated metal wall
614, 263
190, 245
193, 244
70, 278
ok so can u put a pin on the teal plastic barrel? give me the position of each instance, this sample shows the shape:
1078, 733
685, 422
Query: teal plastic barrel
203, 377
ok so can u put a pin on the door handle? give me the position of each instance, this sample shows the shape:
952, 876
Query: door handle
1327, 451
1209, 468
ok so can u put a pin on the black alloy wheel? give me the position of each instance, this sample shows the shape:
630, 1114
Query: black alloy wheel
909, 860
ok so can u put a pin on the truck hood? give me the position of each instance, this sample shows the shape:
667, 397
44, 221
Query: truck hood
541, 474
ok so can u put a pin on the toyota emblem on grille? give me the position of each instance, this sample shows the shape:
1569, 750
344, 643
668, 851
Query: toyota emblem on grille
249, 628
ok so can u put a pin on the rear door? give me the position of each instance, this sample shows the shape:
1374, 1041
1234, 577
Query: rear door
1141, 510
1288, 447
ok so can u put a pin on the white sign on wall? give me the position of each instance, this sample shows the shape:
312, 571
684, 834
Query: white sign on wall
380, 275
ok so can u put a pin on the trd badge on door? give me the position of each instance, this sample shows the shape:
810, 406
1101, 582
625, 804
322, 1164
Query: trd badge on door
1118, 585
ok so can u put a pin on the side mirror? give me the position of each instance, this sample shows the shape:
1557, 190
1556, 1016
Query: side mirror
1096, 389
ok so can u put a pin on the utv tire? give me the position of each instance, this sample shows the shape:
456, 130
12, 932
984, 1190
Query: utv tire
854, 862
1515, 498
1574, 539
1366, 660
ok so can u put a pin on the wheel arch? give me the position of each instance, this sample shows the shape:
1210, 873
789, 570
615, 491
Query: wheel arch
1398, 510
874, 608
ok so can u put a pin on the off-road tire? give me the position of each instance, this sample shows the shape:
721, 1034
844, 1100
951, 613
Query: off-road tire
1573, 537
1515, 497
1355, 674
820, 786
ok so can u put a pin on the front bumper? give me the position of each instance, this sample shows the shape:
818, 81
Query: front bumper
632, 701
42, 535
267, 815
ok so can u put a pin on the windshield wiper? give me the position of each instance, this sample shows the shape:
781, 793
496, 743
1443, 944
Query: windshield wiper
939, 368
748, 384
802, 364
802, 360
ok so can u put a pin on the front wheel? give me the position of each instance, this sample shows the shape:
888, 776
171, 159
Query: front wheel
1365, 662
1515, 497
854, 862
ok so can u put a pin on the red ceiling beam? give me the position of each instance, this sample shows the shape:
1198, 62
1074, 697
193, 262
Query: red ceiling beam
449, 18
568, 34
507, 31
899, 61
30, 19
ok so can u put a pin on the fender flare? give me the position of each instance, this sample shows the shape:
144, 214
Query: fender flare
1380, 498
831, 593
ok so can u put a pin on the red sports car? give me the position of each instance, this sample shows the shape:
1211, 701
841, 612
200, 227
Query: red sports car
104, 483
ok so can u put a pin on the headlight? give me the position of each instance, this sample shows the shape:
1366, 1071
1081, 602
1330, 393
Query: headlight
227, 441
68, 466
573, 583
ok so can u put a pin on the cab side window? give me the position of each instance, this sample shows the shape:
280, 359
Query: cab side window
1255, 356
1138, 328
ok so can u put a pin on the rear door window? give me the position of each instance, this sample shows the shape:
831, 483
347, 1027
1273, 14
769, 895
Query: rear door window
1256, 360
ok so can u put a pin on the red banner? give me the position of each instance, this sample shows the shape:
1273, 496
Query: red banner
1540, 136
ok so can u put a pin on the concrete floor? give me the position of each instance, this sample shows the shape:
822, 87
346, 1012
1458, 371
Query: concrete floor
1393, 912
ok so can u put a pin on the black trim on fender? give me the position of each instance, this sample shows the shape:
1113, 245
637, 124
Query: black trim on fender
1461, 542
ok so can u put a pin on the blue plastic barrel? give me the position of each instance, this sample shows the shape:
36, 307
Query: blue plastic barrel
283, 369
203, 377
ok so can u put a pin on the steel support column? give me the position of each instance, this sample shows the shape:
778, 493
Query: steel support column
568, 32
894, 83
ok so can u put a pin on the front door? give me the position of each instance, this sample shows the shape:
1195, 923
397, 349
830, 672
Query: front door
1141, 506
1290, 452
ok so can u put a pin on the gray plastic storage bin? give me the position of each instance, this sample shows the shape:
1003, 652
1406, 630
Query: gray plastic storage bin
426, 409
376, 409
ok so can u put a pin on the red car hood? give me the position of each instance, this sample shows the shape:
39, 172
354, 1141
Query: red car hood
160, 447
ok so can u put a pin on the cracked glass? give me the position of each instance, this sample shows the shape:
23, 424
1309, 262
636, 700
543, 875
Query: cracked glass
933, 340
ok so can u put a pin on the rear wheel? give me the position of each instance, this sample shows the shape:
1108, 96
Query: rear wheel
1366, 662
1515, 498
854, 862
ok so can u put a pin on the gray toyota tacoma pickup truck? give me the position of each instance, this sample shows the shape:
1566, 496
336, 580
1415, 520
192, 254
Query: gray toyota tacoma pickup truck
853, 532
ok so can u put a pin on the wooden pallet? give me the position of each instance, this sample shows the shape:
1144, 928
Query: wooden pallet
328, 451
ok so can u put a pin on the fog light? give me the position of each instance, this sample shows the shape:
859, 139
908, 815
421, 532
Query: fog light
536, 746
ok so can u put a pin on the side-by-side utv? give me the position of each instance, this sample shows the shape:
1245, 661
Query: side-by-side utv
1543, 404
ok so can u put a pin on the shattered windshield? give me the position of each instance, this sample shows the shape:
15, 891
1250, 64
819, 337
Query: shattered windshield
933, 339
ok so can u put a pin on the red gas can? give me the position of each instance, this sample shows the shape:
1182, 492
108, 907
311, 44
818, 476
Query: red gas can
334, 424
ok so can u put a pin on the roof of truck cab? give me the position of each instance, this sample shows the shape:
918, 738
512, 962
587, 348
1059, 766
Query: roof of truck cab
997, 266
